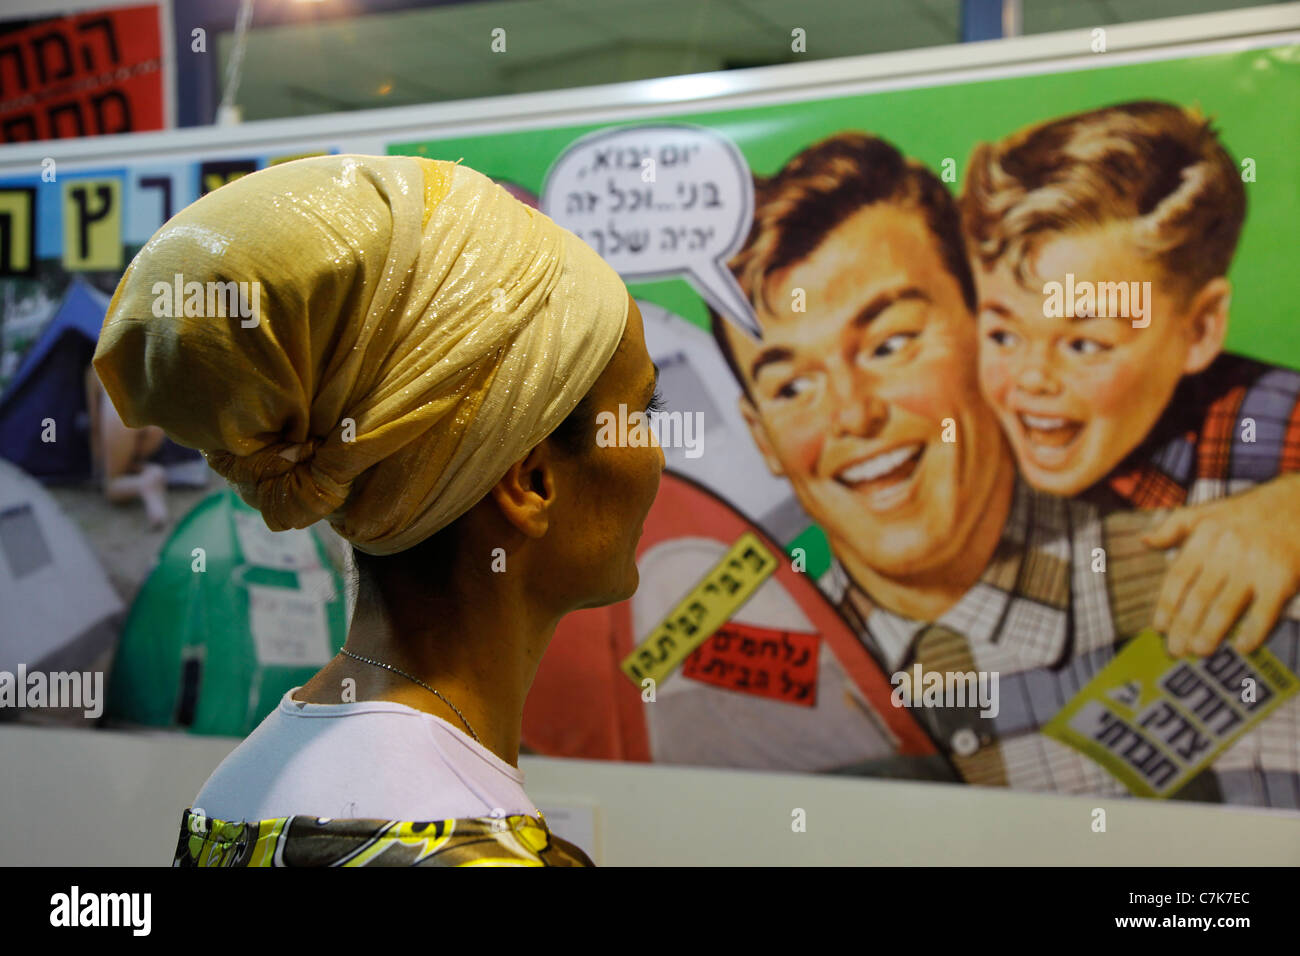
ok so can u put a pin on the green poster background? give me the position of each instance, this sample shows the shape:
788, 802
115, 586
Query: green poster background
1250, 96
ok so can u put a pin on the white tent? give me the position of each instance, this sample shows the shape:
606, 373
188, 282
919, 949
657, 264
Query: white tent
58, 611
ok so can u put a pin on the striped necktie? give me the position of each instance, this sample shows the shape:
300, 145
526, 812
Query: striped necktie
960, 732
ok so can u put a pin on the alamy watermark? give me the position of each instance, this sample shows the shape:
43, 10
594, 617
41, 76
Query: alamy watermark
1104, 300
921, 688
129, 910
638, 429
56, 689
217, 300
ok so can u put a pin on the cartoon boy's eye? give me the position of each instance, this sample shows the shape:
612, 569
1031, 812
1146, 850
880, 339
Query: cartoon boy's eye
1087, 346
892, 345
1003, 338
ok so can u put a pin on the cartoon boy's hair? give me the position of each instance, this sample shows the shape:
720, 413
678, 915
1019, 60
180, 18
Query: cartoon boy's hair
1156, 165
797, 208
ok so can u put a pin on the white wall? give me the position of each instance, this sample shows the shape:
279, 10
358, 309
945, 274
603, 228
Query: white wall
77, 797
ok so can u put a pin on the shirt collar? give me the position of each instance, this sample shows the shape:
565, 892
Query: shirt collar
976, 615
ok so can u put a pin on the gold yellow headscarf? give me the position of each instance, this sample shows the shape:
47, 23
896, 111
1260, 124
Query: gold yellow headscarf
416, 331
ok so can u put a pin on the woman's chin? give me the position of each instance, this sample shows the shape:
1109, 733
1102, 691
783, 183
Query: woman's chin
614, 597
633, 585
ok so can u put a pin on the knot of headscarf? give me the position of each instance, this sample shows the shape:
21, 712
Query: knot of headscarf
370, 340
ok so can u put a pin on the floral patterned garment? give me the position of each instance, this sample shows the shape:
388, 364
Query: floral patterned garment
517, 840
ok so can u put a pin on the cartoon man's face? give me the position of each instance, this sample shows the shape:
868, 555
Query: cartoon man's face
868, 400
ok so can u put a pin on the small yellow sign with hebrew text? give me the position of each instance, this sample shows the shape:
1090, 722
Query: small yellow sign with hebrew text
708, 606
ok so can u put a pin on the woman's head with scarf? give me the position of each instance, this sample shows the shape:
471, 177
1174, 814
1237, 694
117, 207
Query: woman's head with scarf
417, 343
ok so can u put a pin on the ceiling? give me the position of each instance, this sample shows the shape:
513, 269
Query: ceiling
444, 52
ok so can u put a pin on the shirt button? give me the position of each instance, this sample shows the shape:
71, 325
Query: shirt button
964, 742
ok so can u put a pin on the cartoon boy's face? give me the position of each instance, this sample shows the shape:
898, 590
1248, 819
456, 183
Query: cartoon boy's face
1076, 394
865, 367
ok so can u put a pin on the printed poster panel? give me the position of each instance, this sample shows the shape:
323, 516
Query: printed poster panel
1003, 370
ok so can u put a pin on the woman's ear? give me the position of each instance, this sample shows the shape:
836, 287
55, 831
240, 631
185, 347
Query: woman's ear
526, 492
1206, 324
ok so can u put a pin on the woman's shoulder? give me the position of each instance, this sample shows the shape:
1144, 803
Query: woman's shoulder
515, 840
380, 760
319, 735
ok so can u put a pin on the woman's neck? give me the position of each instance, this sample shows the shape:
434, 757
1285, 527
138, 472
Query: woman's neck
476, 645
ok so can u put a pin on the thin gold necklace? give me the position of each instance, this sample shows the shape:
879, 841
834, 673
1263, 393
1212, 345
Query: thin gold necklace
417, 680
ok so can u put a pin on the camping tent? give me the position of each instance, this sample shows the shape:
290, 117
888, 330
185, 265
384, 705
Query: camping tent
58, 611
49, 384
232, 617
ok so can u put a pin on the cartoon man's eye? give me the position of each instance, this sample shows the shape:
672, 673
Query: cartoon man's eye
1003, 338
1087, 346
892, 344
795, 387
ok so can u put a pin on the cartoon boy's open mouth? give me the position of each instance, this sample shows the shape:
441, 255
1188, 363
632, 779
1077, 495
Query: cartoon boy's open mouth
1046, 439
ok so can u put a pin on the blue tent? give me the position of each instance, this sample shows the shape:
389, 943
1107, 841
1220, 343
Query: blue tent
49, 383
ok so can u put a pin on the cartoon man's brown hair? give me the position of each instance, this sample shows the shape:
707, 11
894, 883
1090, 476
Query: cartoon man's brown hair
797, 208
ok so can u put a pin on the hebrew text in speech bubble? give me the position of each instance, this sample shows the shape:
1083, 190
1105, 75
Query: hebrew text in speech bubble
658, 201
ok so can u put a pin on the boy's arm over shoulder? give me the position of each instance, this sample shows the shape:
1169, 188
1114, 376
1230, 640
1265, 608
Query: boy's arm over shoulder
1228, 445
1238, 564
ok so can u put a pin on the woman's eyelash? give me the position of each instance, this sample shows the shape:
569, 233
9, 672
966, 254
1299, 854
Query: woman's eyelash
656, 402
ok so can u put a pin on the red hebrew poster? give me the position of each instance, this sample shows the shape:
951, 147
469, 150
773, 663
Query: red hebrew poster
83, 75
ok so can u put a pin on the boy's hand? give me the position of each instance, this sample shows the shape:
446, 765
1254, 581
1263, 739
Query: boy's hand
1238, 554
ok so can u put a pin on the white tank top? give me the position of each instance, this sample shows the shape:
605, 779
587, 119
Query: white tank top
370, 759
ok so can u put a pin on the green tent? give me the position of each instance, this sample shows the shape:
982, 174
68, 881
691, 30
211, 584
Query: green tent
232, 617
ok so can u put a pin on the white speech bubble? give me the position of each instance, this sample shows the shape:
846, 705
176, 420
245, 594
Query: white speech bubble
689, 220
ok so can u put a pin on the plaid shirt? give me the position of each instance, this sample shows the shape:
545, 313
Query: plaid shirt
1232, 426
1046, 623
